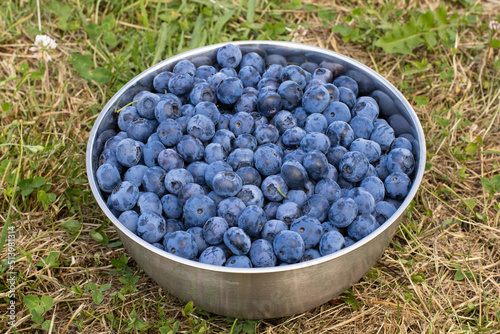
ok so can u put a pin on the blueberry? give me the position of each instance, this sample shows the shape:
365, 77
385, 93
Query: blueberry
274, 187
331, 242
369, 148
262, 254
251, 195
347, 96
296, 154
169, 132
214, 152
272, 228
169, 159
151, 152
288, 212
113, 141
198, 209
171, 206
226, 183
381, 167
384, 136
343, 212
149, 201
229, 90
129, 220
310, 254
255, 60
316, 123
202, 92
216, 78
367, 107
337, 111
154, 181
230, 209
197, 170
108, 177
205, 71
284, 120
315, 141
160, 82
197, 233
249, 176
275, 66
237, 241
316, 206
246, 103
348, 241
362, 226
333, 174
177, 178
183, 244
375, 187
214, 229
187, 110
383, 211
344, 185
340, 133
316, 165
241, 123
329, 189
238, 261
135, 174
241, 157
397, 185
309, 66
371, 171
353, 166
316, 99
190, 148
201, 127
229, 71
362, 127
246, 141
294, 174
402, 142
126, 116
291, 94
266, 133
226, 138
269, 103
124, 196
249, 76
347, 82
151, 226
364, 200
214, 197
180, 84
140, 129
297, 196
288, 246
335, 154
329, 226
271, 208
229, 56
252, 220
208, 109
267, 161
300, 115
293, 136
398, 160
189, 190
146, 105
213, 255
294, 73
214, 168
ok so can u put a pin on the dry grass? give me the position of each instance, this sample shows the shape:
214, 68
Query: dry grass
439, 235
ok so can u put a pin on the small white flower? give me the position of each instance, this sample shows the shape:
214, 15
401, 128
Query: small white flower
43, 46
494, 25
298, 34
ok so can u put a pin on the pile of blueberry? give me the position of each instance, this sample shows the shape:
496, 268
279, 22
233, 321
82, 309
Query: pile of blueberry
256, 161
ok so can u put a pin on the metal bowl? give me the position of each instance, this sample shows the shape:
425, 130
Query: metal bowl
255, 292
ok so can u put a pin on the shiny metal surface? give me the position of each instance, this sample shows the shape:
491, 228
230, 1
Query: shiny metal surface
255, 292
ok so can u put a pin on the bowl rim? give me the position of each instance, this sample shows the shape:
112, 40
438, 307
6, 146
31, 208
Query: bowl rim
268, 270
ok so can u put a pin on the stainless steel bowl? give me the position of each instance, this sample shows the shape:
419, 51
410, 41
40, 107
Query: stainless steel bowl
255, 292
